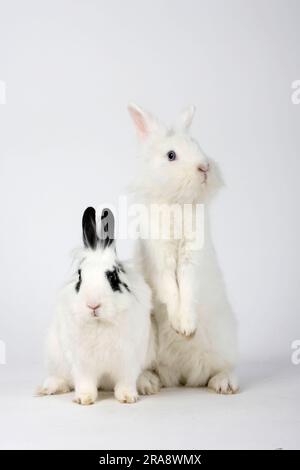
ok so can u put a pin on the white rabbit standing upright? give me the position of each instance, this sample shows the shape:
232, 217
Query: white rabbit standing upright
197, 339
100, 337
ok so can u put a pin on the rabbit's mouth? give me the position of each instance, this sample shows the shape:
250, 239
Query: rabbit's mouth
204, 169
96, 314
204, 181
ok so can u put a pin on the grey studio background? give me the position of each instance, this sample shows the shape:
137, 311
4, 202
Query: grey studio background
69, 69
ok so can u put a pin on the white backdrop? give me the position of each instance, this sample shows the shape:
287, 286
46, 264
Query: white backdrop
66, 141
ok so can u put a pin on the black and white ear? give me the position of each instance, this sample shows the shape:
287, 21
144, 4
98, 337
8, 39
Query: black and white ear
89, 231
145, 123
186, 117
107, 231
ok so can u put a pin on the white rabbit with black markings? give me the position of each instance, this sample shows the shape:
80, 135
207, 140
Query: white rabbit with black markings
101, 334
197, 337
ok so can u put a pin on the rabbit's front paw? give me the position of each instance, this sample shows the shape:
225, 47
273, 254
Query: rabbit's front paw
184, 325
126, 394
86, 398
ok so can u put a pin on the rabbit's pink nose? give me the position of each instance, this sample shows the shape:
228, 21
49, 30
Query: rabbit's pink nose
94, 306
203, 168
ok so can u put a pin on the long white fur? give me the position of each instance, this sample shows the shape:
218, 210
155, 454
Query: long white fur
109, 348
197, 335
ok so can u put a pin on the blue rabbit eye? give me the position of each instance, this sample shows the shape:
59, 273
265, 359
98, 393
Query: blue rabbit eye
171, 155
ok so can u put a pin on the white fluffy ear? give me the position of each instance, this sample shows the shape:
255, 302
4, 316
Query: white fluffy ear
186, 117
144, 122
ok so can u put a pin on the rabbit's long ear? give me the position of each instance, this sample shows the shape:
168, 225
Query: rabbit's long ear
107, 231
89, 231
144, 122
186, 117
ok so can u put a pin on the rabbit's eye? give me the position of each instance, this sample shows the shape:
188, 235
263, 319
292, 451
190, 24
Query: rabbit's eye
114, 280
171, 155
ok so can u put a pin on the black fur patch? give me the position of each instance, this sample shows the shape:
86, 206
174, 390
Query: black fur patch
89, 232
78, 283
126, 286
114, 280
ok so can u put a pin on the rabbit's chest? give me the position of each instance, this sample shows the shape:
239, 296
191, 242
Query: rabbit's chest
102, 347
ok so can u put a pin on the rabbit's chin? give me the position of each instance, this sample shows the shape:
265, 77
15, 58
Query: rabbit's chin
99, 319
195, 192
187, 190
